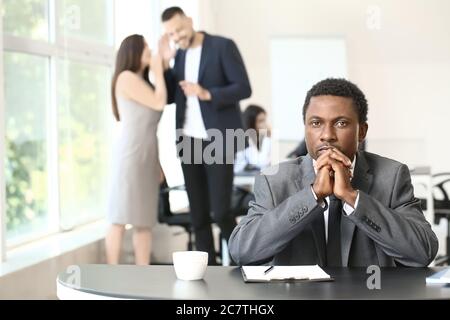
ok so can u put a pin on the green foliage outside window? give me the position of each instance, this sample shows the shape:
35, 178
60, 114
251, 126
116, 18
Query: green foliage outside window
25, 189
26, 93
26, 18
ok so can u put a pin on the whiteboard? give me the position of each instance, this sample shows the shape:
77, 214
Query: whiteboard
297, 63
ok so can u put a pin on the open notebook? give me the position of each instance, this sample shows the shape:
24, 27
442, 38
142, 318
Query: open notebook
284, 273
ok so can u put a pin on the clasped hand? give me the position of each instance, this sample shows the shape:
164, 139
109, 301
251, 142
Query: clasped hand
333, 176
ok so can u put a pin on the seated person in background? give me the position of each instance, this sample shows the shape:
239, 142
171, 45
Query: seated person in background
336, 206
257, 155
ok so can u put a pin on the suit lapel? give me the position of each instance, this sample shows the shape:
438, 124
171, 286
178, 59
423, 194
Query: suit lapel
181, 65
362, 181
304, 180
206, 45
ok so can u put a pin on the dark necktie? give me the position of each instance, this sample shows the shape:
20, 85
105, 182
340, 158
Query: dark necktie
334, 233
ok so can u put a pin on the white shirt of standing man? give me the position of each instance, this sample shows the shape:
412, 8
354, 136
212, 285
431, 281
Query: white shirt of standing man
193, 126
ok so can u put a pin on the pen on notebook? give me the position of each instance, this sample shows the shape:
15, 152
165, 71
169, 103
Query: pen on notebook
268, 270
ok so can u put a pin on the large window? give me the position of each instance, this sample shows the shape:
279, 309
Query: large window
84, 128
58, 57
26, 172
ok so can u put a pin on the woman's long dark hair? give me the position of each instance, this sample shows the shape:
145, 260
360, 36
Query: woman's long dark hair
128, 58
249, 117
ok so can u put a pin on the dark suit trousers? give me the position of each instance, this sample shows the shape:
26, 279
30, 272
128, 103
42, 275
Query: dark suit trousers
209, 188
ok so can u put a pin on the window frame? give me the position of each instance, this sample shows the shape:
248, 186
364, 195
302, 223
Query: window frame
57, 48
2, 152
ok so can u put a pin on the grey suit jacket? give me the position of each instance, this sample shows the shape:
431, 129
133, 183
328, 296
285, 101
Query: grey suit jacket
285, 223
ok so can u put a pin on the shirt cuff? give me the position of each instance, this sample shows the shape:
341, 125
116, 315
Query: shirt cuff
321, 203
348, 209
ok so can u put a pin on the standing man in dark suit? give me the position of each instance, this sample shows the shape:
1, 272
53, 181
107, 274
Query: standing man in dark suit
336, 206
207, 81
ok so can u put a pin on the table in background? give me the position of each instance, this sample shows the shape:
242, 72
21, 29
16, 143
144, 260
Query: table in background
245, 179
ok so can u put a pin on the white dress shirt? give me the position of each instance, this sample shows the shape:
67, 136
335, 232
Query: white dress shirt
348, 209
251, 155
193, 125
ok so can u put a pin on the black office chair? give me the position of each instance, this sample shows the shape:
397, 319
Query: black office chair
239, 207
165, 214
441, 201
240, 198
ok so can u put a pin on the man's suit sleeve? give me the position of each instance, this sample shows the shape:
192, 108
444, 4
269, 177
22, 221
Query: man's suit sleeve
400, 230
234, 71
267, 229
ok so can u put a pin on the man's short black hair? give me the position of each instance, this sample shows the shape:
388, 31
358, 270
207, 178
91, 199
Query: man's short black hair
340, 88
169, 13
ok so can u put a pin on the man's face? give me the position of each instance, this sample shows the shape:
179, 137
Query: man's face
332, 121
180, 30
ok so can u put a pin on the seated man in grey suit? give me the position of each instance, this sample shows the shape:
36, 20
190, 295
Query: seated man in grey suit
336, 206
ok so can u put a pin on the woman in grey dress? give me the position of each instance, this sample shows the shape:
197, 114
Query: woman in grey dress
136, 171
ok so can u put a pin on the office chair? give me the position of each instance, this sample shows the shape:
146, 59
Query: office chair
240, 197
165, 214
239, 207
441, 201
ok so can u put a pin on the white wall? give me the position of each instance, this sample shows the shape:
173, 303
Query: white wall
315, 59
39, 280
401, 61
135, 17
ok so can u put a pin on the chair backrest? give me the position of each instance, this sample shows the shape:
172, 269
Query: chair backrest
240, 198
440, 191
166, 216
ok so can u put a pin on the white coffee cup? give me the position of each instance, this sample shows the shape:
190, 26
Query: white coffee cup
190, 265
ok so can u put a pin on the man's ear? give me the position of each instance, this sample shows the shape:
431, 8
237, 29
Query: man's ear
362, 131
